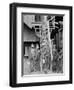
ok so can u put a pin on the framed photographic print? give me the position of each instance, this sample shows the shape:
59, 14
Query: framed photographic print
40, 44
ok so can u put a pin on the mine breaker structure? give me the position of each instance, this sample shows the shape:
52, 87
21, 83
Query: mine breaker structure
44, 25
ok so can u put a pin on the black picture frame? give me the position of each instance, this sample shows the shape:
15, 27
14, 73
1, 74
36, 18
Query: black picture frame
13, 44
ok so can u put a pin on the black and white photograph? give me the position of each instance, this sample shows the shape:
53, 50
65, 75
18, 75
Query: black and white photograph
40, 44
42, 39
